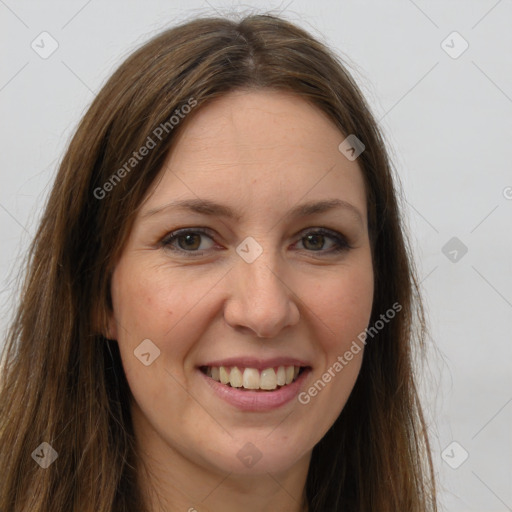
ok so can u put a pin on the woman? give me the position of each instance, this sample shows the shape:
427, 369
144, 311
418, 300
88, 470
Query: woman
257, 370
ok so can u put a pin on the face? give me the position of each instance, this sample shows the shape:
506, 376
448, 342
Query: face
207, 298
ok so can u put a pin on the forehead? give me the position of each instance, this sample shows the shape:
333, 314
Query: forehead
259, 149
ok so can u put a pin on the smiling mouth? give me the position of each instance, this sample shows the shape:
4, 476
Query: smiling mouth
269, 379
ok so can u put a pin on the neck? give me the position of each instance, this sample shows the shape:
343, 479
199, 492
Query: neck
226, 493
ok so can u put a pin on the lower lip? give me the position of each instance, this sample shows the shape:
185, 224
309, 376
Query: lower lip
257, 400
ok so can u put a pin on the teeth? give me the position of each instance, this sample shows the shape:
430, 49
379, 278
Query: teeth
268, 379
224, 377
250, 378
281, 376
235, 378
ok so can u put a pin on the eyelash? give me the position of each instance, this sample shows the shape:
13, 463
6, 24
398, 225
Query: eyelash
341, 242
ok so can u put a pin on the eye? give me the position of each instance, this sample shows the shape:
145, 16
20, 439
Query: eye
316, 237
189, 241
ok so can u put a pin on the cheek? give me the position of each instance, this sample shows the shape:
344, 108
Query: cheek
144, 298
148, 308
160, 304
147, 305
344, 304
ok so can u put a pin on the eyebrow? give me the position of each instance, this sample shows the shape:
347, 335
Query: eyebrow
207, 207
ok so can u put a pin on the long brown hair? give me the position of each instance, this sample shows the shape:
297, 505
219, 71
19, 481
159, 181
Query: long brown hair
63, 381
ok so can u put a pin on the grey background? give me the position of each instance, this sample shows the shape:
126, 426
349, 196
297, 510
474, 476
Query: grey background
448, 126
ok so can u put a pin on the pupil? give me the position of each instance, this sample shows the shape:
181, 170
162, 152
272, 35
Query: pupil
314, 237
187, 238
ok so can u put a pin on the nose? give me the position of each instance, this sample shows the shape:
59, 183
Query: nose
261, 301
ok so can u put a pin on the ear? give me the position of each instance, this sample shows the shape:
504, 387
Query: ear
104, 322
111, 327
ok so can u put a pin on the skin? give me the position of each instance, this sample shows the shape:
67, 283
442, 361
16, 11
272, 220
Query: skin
261, 153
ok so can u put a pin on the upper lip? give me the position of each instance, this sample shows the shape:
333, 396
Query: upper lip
257, 363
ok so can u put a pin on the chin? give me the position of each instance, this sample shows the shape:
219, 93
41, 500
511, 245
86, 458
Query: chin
244, 457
